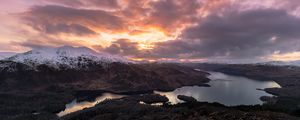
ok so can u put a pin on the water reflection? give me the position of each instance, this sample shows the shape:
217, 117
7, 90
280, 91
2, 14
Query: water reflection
76, 106
226, 89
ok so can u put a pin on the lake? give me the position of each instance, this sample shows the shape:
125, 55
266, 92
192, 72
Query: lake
225, 89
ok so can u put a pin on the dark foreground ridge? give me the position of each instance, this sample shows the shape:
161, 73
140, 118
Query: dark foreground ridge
130, 109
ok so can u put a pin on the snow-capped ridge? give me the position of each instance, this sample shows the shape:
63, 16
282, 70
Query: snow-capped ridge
66, 56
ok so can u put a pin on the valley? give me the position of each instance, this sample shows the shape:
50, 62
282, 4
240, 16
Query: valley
39, 89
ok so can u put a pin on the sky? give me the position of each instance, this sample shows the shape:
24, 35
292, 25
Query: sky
181, 30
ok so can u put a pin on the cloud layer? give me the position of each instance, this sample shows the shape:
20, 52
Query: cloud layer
163, 29
252, 33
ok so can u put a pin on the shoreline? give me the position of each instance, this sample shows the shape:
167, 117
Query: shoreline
87, 95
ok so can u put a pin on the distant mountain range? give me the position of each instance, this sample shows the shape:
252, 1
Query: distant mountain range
68, 57
281, 63
269, 63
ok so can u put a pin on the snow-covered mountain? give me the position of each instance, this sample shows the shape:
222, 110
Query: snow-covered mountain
4, 55
66, 57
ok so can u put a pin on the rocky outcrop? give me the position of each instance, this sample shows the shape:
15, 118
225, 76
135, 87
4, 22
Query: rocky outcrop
151, 98
187, 99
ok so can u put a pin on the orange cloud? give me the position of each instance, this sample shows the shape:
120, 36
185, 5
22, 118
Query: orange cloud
285, 56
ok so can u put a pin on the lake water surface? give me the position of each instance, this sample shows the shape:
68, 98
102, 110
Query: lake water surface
225, 89
76, 106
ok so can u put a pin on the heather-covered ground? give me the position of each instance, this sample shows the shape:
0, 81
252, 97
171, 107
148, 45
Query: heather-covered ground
130, 109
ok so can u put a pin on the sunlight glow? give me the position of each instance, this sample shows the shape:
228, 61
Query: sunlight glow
145, 38
285, 57
145, 46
